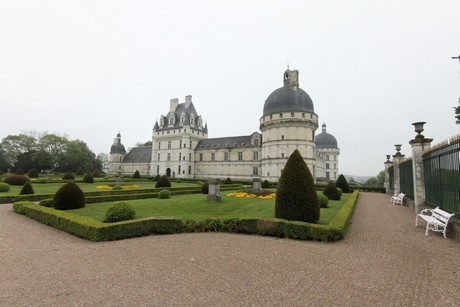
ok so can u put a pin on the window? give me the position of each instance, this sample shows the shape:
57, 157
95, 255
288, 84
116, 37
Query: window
282, 155
225, 156
327, 157
158, 169
178, 170
255, 171
213, 156
271, 116
327, 175
240, 156
171, 121
191, 121
256, 142
190, 144
180, 157
282, 137
169, 144
190, 157
255, 155
159, 157
169, 157
335, 166
292, 114
180, 144
189, 169
303, 115
159, 145
281, 115
327, 165
201, 157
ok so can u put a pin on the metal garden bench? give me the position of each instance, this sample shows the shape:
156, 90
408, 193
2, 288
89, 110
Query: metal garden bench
436, 220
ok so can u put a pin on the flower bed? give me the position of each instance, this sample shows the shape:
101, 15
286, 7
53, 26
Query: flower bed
261, 195
111, 186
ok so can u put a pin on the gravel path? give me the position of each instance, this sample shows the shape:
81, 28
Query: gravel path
384, 261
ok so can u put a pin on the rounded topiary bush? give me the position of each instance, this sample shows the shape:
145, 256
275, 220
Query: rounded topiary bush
296, 197
19, 172
27, 189
228, 181
69, 196
46, 202
205, 188
33, 173
340, 191
265, 184
16, 179
157, 177
331, 191
97, 173
164, 194
121, 211
163, 182
136, 175
323, 200
68, 176
88, 178
4, 187
343, 184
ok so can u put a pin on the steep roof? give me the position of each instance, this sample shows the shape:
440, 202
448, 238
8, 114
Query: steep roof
141, 154
225, 142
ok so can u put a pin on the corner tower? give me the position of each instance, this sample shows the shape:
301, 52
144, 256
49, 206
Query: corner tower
117, 153
289, 122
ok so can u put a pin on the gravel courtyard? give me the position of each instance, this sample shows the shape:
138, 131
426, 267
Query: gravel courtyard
383, 261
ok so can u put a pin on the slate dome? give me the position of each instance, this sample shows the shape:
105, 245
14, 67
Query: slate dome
117, 146
289, 97
325, 140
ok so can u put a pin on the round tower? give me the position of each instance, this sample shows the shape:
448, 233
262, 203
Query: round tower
117, 153
289, 122
328, 155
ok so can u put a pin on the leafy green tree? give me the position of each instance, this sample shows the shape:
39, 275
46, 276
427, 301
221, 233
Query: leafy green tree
296, 197
4, 164
457, 114
13, 145
381, 179
55, 146
76, 155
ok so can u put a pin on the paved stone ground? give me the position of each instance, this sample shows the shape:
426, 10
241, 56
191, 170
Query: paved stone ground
384, 261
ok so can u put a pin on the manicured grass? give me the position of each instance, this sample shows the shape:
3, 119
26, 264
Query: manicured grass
196, 207
49, 188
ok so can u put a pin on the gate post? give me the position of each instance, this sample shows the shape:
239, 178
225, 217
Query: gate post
388, 164
397, 157
419, 144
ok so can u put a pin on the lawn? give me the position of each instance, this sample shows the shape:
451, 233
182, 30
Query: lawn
196, 207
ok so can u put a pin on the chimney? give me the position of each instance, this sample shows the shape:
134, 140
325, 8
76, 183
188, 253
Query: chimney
188, 101
173, 104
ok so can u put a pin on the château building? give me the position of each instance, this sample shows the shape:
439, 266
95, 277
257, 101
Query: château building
181, 147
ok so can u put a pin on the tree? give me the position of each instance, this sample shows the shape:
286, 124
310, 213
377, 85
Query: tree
296, 197
381, 179
13, 145
55, 146
4, 164
457, 114
76, 155
371, 182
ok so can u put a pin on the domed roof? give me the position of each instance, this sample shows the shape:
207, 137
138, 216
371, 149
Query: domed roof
117, 147
325, 140
289, 97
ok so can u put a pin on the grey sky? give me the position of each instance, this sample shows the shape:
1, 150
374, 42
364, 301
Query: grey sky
91, 69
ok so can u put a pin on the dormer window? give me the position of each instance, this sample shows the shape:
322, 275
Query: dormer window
171, 120
192, 121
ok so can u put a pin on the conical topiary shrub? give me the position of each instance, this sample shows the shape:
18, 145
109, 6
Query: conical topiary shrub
331, 191
228, 181
27, 189
33, 173
265, 184
296, 198
136, 175
163, 182
157, 177
88, 178
69, 196
343, 184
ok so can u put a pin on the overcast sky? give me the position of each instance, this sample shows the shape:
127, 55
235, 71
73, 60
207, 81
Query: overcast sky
91, 69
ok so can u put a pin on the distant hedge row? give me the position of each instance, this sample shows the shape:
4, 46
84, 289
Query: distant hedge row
90, 229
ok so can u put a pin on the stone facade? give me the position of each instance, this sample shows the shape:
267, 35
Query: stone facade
181, 147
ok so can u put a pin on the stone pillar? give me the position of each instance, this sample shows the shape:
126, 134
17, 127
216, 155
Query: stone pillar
214, 190
397, 158
419, 144
257, 185
388, 164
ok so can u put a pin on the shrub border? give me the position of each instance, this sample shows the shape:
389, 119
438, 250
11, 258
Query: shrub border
93, 230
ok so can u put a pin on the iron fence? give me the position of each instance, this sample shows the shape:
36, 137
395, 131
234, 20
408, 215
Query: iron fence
391, 171
442, 176
406, 178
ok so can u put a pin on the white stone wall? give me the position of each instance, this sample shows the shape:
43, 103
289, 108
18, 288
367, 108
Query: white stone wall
327, 163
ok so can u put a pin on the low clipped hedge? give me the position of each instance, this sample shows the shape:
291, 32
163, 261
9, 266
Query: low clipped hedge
90, 229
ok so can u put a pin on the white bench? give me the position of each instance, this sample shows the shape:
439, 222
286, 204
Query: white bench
436, 220
398, 198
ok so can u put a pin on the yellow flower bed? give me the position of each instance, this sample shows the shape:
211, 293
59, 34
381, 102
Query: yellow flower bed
250, 195
131, 186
